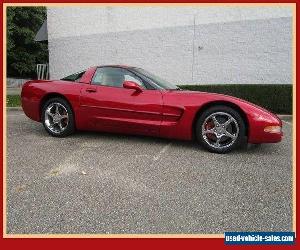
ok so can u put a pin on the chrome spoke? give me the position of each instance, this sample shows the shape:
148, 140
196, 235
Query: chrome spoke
56, 109
64, 116
49, 113
217, 143
223, 126
216, 123
54, 118
229, 135
230, 120
60, 125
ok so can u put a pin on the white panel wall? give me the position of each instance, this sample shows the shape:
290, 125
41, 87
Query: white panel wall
186, 45
257, 51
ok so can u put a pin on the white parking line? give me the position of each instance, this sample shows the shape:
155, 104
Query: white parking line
15, 115
164, 149
68, 165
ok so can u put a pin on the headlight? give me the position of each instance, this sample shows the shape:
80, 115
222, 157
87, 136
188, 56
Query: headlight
272, 129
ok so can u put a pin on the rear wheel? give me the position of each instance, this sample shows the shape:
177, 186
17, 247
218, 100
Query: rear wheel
220, 129
57, 117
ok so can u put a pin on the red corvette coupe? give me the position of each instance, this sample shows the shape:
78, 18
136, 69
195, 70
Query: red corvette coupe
131, 100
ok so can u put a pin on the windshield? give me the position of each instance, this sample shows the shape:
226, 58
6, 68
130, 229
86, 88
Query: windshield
157, 80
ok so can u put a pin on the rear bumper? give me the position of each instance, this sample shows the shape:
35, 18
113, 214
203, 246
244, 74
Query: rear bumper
30, 106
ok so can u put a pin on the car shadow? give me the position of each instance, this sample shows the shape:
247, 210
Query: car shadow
186, 145
244, 147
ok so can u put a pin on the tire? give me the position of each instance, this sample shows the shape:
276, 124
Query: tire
61, 123
223, 134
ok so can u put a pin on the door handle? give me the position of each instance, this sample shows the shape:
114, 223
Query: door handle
90, 90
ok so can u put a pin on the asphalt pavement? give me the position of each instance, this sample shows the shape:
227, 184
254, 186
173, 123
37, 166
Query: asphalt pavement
113, 184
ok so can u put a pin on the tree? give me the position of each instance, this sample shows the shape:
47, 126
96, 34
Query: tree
23, 53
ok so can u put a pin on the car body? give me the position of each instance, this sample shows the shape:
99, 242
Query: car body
147, 108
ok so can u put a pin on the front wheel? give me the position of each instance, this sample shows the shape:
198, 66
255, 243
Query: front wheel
220, 129
57, 117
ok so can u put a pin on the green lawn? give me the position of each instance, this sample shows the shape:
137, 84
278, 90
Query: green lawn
13, 101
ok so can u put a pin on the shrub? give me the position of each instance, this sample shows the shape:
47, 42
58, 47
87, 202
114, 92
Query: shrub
274, 97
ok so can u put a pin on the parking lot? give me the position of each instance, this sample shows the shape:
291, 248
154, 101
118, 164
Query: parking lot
104, 183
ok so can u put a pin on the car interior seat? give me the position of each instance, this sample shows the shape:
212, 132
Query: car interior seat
113, 79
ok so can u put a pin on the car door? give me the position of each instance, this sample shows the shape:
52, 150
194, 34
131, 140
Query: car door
108, 106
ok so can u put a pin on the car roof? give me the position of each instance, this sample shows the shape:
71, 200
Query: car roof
115, 65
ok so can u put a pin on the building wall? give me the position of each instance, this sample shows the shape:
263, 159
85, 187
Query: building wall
185, 45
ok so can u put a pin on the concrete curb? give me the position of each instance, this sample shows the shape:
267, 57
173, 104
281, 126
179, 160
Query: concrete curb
14, 109
285, 117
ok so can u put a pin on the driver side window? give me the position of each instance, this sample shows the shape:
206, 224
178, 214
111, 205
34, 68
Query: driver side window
114, 77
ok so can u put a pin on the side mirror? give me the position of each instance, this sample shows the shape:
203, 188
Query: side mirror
132, 85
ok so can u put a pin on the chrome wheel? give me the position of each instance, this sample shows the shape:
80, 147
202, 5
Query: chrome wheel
56, 118
220, 130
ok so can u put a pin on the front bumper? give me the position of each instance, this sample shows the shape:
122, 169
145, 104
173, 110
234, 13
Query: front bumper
265, 128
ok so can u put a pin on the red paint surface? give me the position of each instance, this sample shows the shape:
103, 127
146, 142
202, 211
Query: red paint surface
163, 113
